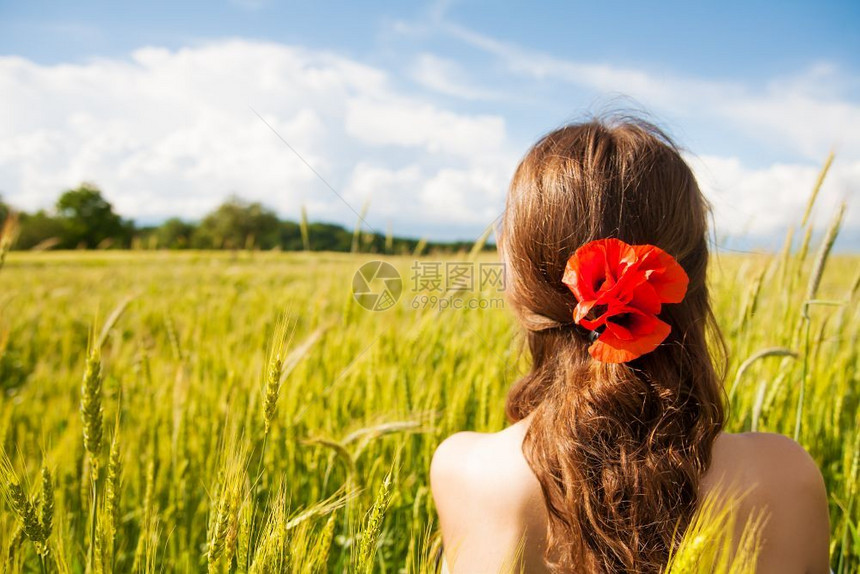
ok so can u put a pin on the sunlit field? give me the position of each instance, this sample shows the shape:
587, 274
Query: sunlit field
194, 411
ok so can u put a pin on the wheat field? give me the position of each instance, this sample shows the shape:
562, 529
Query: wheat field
241, 412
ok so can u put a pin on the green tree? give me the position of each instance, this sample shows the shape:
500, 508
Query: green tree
329, 237
236, 224
174, 233
88, 219
290, 236
39, 229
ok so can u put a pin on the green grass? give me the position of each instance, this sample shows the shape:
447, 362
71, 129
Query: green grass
253, 417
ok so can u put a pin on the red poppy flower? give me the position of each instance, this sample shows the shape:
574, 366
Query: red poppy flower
621, 288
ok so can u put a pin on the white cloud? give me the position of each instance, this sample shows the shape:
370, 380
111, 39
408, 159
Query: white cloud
471, 197
447, 77
765, 202
399, 122
807, 113
174, 132
804, 111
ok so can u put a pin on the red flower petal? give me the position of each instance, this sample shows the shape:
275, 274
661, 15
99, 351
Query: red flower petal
622, 287
617, 331
645, 298
585, 272
646, 333
595, 263
613, 307
581, 310
601, 272
663, 272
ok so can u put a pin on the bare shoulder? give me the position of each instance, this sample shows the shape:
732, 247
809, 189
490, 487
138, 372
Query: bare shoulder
771, 460
783, 480
487, 498
486, 468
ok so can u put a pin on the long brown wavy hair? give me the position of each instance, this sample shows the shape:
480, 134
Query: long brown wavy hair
618, 449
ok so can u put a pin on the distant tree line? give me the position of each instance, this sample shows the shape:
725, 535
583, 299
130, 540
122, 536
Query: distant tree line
83, 219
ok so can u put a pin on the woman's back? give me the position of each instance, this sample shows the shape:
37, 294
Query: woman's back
489, 500
618, 421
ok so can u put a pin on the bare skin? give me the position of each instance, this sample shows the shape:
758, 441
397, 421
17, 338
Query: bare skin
488, 500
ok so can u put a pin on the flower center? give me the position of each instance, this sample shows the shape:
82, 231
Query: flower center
597, 311
621, 319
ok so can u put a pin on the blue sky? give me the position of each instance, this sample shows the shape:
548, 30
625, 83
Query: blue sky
421, 110
741, 40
